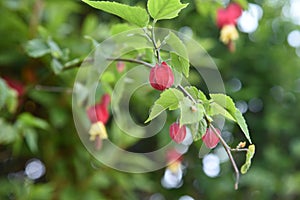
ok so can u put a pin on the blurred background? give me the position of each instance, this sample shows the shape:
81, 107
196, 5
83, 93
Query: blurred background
41, 156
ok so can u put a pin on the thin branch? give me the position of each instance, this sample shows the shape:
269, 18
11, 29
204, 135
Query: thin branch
186, 93
53, 88
228, 151
131, 61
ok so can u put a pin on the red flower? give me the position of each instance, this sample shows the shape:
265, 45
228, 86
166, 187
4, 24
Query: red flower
16, 85
120, 66
229, 15
210, 139
99, 112
161, 76
174, 159
173, 155
177, 133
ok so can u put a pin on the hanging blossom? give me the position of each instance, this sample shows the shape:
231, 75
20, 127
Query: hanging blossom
99, 115
174, 160
226, 21
15, 85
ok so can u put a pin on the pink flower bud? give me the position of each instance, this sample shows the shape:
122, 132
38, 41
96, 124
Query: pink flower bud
161, 76
229, 15
120, 66
177, 133
99, 112
210, 139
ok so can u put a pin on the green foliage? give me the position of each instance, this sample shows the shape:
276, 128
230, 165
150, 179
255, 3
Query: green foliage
231, 112
249, 156
190, 112
164, 9
26, 55
132, 14
169, 99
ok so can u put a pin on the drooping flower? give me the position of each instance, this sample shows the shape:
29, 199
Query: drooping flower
15, 85
99, 115
99, 112
210, 138
177, 132
226, 21
229, 15
120, 66
174, 160
161, 76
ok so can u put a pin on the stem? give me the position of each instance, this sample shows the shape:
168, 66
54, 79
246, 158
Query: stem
52, 88
186, 93
228, 151
131, 61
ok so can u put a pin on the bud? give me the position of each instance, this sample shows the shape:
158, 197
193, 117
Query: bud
99, 112
210, 139
161, 76
177, 133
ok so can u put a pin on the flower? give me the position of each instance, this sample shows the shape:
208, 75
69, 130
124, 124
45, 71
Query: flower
177, 132
15, 85
120, 66
210, 138
174, 159
99, 115
161, 76
229, 15
226, 21
99, 112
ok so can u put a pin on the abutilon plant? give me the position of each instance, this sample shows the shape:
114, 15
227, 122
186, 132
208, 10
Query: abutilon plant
197, 111
161, 76
226, 21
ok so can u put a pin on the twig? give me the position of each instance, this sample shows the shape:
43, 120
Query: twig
52, 88
186, 93
131, 61
228, 151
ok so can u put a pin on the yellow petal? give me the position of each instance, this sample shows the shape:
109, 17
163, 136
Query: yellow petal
174, 166
229, 33
97, 129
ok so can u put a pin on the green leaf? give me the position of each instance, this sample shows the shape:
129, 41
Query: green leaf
31, 139
176, 45
12, 101
164, 9
56, 66
224, 101
3, 92
29, 120
119, 28
199, 129
180, 64
190, 112
169, 98
196, 94
132, 14
242, 123
227, 103
249, 156
108, 77
216, 109
56, 52
7, 134
37, 48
